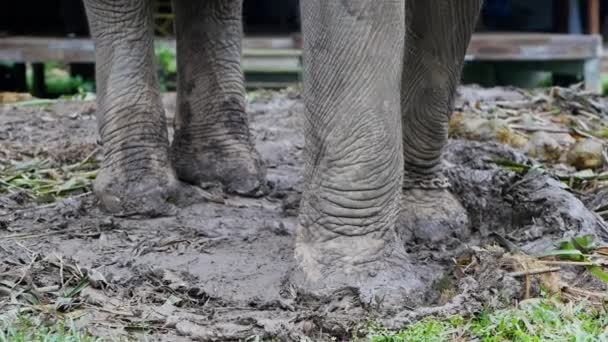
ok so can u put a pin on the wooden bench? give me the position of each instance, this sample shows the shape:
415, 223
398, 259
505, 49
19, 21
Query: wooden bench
25, 49
562, 53
280, 58
267, 61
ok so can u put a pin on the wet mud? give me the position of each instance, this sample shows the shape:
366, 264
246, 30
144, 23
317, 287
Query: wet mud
219, 270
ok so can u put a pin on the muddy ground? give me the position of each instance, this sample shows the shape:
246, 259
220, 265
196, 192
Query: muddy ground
219, 269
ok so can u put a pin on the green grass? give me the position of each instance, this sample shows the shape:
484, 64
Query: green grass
532, 321
425, 330
604, 80
25, 329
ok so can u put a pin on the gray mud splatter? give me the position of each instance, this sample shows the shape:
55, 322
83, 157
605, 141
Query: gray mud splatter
218, 271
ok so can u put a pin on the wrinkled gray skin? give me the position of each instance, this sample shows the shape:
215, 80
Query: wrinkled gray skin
379, 80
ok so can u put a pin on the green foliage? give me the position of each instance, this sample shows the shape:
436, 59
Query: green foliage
578, 249
532, 321
604, 80
166, 60
26, 330
167, 67
43, 183
542, 320
425, 330
59, 82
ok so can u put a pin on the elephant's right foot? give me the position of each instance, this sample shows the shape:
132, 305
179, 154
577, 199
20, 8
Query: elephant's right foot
227, 158
143, 191
351, 271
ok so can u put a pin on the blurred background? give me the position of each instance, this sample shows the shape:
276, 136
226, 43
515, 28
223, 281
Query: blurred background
45, 50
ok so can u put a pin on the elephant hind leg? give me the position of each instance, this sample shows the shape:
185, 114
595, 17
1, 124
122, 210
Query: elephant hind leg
135, 175
437, 35
212, 139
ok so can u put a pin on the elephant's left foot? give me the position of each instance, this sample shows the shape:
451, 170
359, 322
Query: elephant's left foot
432, 217
233, 162
143, 192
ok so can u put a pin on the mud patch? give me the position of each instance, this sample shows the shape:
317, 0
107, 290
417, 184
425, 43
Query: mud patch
219, 270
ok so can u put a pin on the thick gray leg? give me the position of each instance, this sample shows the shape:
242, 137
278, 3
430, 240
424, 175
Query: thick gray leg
135, 176
212, 139
437, 35
352, 67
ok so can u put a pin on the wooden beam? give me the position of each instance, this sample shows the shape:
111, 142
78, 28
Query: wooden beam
39, 85
483, 46
532, 47
593, 16
19, 72
81, 50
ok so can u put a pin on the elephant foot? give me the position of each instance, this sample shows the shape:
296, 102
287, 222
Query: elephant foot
143, 193
432, 217
235, 164
343, 275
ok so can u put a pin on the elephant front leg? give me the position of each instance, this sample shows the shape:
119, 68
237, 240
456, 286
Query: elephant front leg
346, 238
437, 35
212, 139
135, 176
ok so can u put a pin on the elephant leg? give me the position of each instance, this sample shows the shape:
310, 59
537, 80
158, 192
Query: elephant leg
135, 176
212, 139
352, 65
437, 35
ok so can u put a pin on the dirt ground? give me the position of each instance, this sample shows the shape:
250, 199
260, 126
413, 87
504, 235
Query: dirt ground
219, 270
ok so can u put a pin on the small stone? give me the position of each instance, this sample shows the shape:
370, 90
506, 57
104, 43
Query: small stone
586, 154
307, 326
543, 147
482, 129
278, 228
97, 280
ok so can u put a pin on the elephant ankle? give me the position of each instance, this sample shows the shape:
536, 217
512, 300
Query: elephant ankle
433, 181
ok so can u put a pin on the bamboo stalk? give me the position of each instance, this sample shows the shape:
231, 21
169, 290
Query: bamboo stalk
575, 263
534, 271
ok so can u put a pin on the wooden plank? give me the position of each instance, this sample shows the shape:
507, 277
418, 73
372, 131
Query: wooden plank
261, 53
483, 47
533, 47
82, 50
38, 49
270, 43
281, 63
251, 43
